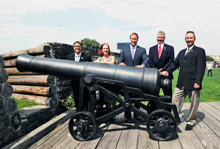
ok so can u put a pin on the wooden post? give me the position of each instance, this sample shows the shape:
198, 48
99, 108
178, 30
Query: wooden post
37, 99
6, 89
51, 80
3, 75
52, 102
12, 62
36, 80
37, 90
33, 51
1, 62
10, 105
14, 71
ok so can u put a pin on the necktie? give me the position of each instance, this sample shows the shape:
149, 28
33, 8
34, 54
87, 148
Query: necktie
187, 52
159, 51
132, 53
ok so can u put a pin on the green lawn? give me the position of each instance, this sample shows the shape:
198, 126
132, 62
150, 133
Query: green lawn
21, 103
210, 86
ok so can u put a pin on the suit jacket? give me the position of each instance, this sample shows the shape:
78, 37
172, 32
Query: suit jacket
192, 67
84, 57
167, 57
139, 58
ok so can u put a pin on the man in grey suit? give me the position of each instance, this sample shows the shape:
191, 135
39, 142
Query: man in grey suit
135, 56
192, 64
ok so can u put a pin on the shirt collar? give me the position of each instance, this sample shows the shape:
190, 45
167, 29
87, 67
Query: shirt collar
190, 48
135, 47
162, 45
78, 55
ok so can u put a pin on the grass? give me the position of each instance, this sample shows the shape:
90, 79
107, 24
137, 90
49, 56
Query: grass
210, 86
21, 103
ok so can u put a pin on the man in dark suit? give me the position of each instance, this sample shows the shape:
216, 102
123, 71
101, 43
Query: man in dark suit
160, 57
78, 56
192, 64
135, 56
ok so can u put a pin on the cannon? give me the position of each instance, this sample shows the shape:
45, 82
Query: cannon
134, 85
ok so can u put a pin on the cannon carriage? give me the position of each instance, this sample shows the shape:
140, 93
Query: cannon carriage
135, 85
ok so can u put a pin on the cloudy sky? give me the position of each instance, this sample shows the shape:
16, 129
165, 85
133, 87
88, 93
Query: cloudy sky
26, 23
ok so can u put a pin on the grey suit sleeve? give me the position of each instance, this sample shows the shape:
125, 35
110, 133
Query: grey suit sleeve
122, 57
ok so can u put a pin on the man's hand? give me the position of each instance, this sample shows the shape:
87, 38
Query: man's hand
122, 64
140, 66
165, 73
160, 70
196, 86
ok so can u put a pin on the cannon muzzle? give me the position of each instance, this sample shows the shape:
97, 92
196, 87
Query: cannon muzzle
148, 79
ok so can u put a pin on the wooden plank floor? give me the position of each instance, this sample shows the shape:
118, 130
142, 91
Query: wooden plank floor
205, 135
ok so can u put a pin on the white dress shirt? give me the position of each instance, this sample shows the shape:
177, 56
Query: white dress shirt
77, 56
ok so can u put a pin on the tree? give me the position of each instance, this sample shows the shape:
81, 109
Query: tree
209, 58
90, 43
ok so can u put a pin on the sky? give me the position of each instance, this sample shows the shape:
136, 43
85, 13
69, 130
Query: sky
26, 23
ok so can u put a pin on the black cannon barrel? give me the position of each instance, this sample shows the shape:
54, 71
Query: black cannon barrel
148, 80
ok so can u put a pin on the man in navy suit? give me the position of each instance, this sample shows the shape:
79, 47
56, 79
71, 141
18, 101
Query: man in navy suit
192, 64
160, 57
78, 56
135, 56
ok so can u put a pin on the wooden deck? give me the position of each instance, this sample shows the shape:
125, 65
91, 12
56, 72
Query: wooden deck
206, 134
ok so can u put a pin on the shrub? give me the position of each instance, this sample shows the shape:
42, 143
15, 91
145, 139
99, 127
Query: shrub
68, 103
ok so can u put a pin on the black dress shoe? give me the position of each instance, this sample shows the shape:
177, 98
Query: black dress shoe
189, 127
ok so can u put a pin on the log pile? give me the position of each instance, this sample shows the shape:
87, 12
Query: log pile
36, 87
41, 88
10, 119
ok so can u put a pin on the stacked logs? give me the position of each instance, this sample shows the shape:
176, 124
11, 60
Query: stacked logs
28, 85
10, 119
41, 88
36, 87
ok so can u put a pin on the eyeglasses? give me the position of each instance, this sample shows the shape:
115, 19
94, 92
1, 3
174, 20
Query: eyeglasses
77, 46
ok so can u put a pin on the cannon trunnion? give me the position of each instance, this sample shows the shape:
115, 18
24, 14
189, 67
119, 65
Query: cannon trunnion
112, 81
